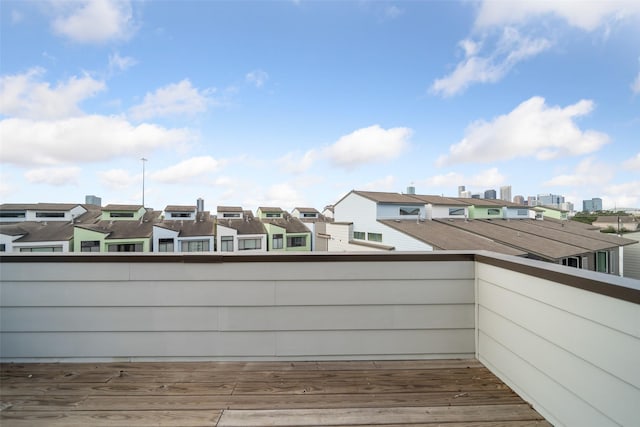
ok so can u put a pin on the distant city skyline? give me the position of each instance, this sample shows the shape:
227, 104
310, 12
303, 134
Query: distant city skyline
295, 103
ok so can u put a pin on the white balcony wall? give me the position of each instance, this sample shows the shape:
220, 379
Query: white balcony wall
572, 353
247, 310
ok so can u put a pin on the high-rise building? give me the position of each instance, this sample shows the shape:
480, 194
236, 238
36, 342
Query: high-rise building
465, 194
93, 200
518, 199
461, 189
532, 201
505, 193
552, 200
490, 194
592, 205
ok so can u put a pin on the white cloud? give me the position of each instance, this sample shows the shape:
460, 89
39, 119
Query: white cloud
488, 178
81, 139
118, 179
388, 183
16, 16
93, 21
510, 49
174, 99
257, 77
368, 145
588, 173
633, 163
393, 12
284, 195
626, 194
296, 164
120, 63
54, 176
635, 86
531, 129
443, 180
587, 16
187, 171
26, 96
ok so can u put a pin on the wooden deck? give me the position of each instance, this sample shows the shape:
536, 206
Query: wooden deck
454, 393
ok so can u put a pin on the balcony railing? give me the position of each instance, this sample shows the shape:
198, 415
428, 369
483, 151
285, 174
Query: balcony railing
566, 340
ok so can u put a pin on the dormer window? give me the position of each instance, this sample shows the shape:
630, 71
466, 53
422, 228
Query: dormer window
121, 214
49, 214
16, 214
231, 215
456, 211
273, 215
493, 211
310, 215
409, 211
180, 215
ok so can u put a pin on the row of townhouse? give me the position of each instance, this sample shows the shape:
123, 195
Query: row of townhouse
383, 221
360, 221
47, 227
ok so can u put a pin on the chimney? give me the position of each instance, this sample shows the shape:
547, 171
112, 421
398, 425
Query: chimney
200, 204
411, 189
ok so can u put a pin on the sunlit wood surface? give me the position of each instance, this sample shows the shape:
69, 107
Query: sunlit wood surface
454, 393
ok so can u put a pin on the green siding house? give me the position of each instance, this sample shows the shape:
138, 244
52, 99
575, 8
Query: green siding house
284, 232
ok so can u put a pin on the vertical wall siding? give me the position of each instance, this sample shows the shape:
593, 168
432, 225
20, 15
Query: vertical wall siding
239, 310
572, 353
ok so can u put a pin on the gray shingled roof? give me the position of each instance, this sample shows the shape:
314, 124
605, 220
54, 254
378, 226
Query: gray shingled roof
307, 210
441, 201
126, 229
38, 206
289, 223
112, 207
270, 209
229, 209
180, 208
444, 237
386, 197
203, 225
526, 241
246, 225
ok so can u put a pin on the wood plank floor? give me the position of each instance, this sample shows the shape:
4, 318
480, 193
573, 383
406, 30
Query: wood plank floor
454, 393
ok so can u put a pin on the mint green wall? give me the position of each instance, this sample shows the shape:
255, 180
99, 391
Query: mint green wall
136, 215
274, 229
263, 215
482, 212
146, 243
555, 214
305, 248
81, 234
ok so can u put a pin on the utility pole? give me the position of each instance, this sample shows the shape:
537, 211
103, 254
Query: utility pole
143, 162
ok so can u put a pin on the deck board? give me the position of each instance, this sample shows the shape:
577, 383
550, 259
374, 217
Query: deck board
390, 393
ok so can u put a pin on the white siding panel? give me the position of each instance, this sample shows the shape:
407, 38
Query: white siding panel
587, 340
375, 292
418, 342
614, 313
154, 319
108, 345
611, 396
127, 294
631, 256
347, 317
553, 401
55, 271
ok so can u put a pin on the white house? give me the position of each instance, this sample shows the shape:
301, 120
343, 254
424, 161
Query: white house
240, 232
41, 212
184, 229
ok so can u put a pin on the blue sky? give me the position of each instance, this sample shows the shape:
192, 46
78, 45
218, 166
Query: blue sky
294, 103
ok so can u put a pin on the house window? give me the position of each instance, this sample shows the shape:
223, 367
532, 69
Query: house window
309, 215
523, 212
374, 237
231, 215
409, 211
180, 215
249, 244
12, 214
42, 249
90, 246
456, 211
125, 247
49, 214
296, 241
3, 247
121, 215
602, 261
277, 241
360, 235
272, 215
195, 246
226, 244
165, 245
493, 211
574, 262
